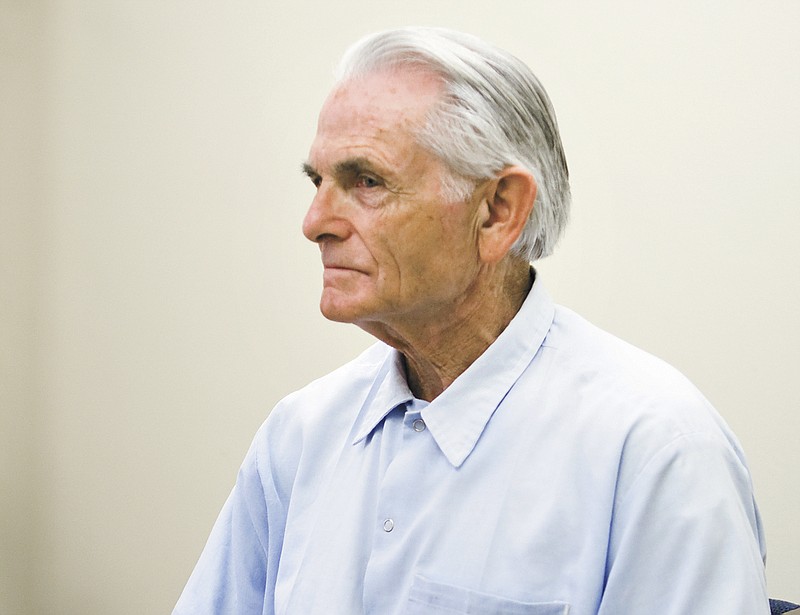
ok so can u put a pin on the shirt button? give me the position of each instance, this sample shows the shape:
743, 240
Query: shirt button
418, 425
388, 525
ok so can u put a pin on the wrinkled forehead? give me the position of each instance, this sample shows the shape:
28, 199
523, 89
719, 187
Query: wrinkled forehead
396, 97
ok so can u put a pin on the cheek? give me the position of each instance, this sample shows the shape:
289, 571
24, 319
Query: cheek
422, 248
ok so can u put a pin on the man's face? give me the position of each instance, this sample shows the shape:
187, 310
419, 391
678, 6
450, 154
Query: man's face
395, 252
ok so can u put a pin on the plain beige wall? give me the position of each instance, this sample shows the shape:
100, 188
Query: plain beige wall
158, 297
20, 202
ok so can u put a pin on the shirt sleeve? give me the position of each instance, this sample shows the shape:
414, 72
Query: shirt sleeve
686, 535
231, 574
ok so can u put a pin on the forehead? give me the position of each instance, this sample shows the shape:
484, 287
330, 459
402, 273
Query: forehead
379, 110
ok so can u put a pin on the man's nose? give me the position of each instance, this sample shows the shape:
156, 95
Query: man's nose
323, 218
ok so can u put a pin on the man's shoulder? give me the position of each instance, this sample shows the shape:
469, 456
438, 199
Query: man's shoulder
625, 386
625, 392
589, 350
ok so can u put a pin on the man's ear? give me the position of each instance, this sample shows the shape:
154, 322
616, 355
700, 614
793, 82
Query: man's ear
507, 203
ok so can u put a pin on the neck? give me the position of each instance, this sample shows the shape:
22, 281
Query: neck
440, 349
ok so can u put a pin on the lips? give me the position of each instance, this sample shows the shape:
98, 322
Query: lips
334, 265
340, 269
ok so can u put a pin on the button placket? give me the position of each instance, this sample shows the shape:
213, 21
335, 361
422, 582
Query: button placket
394, 522
418, 426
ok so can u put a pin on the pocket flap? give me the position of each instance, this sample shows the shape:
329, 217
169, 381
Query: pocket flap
430, 598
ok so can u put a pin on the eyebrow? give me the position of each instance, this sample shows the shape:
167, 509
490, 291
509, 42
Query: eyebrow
353, 166
309, 170
346, 168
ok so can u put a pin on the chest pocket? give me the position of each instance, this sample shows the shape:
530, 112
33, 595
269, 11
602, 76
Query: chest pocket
430, 598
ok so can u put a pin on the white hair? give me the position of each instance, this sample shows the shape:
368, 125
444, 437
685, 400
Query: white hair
494, 114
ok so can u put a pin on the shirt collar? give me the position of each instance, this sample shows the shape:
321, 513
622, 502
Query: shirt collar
456, 418
389, 391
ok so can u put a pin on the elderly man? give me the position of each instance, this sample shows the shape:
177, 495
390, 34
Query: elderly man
493, 452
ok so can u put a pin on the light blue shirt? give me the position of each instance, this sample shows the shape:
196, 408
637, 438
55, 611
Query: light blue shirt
565, 472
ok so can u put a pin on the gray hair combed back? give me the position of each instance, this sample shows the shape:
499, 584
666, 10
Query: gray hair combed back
494, 114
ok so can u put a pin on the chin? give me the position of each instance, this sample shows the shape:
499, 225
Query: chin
342, 306
336, 316
338, 312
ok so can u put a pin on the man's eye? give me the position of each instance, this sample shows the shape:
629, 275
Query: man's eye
365, 181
